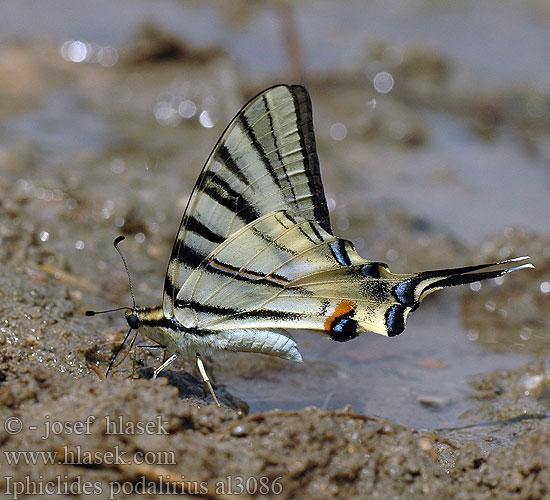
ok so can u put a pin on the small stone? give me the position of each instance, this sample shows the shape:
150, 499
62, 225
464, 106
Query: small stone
433, 401
239, 431
31, 341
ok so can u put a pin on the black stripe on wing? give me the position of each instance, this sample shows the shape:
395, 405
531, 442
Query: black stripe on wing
197, 227
277, 147
304, 117
225, 311
223, 156
221, 192
248, 275
257, 145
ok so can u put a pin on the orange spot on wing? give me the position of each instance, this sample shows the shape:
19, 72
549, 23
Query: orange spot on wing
343, 307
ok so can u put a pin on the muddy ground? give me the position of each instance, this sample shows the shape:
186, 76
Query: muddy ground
102, 147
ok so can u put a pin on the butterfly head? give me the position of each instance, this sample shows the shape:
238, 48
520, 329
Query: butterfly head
132, 317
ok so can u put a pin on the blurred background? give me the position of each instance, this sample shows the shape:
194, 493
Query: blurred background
432, 122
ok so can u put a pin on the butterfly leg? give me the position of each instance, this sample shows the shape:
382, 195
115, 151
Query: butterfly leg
205, 378
135, 361
168, 362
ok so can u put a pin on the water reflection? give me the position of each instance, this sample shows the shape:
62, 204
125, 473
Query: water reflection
187, 109
166, 114
338, 131
205, 119
383, 82
78, 51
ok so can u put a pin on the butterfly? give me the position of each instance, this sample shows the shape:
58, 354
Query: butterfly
255, 253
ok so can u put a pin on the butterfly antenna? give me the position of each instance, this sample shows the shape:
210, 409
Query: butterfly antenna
115, 243
93, 313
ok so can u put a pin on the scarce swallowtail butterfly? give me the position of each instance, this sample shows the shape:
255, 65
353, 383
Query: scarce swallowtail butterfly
255, 254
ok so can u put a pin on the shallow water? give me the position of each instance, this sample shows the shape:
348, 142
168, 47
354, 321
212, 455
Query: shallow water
443, 198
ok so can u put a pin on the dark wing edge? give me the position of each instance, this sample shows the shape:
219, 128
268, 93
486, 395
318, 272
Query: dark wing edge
305, 122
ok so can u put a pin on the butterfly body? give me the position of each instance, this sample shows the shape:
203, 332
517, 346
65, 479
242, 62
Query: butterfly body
188, 341
255, 254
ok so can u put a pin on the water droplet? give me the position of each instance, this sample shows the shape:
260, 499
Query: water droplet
338, 131
525, 333
166, 114
499, 281
342, 223
71, 204
392, 254
118, 166
76, 51
187, 109
205, 119
79, 245
107, 56
383, 82
392, 56
140, 237
475, 286
44, 236
545, 287
491, 305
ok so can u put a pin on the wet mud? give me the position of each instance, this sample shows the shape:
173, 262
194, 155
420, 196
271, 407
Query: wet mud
456, 408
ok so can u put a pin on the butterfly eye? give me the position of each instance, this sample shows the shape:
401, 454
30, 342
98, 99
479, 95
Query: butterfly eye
133, 321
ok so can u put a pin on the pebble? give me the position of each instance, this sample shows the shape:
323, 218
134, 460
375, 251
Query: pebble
433, 401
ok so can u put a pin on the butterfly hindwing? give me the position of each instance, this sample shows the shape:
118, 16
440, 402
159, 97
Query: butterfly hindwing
265, 161
283, 271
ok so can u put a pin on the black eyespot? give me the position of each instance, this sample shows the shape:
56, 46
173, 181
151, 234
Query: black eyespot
133, 321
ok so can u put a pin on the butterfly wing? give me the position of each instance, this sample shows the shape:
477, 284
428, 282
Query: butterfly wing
265, 161
284, 271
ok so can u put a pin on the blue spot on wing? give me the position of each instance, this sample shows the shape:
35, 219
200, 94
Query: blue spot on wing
395, 320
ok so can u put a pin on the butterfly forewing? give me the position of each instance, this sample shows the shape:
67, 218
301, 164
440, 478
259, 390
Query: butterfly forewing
265, 161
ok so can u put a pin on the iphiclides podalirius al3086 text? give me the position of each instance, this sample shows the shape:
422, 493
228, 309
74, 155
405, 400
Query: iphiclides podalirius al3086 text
255, 254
